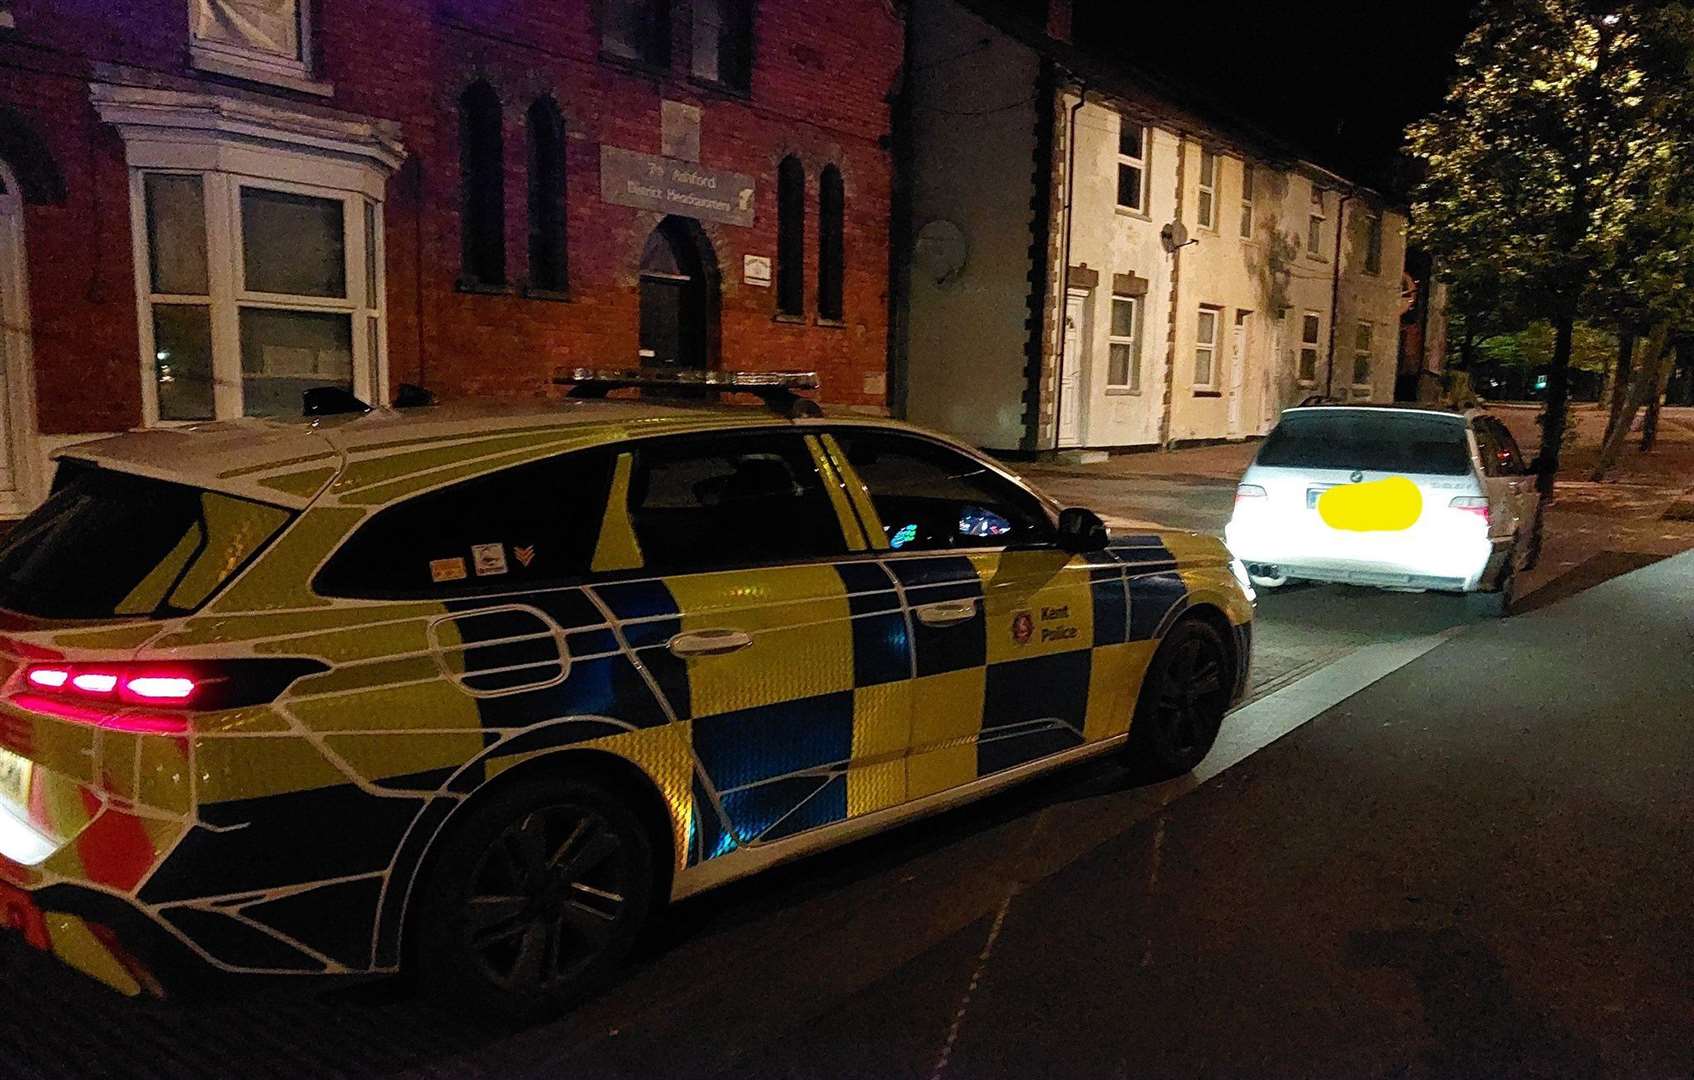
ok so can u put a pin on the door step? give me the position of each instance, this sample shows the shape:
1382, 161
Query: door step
1080, 456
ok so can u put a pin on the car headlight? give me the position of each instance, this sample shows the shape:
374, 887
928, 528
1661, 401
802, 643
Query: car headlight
1239, 569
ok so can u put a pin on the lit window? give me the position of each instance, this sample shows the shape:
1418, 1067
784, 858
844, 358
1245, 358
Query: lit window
1206, 206
1132, 165
1310, 327
1123, 370
1314, 223
1206, 347
1362, 349
1247, 200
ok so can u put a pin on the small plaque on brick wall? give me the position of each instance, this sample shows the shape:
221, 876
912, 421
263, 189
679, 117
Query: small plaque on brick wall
679, 130
756, 270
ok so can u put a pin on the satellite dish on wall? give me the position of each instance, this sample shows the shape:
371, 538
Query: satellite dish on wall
941, 250
1174, 235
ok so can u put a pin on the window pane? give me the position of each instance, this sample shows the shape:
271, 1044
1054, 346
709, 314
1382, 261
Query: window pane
1207, 331
268, 26
1246, 221
176, 233
1377, 440
1122, 365
284, 353
725, 501
1309, 330
1123, 318
1362, 340
1308, 365
1314, 235
930, 497
1129, 186
1129, 139
182, 361
1361, 369
545, 516
370, 255
1247, 183
1205, 208
1203, 366
293, 244
1208, 168
707, 31
635, 30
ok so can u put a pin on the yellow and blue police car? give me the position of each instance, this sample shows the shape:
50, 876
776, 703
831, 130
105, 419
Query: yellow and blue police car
474, 687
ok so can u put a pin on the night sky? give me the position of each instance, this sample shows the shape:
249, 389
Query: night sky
1338, 78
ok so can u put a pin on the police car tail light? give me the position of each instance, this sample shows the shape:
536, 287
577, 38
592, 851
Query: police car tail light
152, 697
1471, 504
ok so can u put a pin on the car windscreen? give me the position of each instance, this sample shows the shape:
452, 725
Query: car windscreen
110, 544
1368, 439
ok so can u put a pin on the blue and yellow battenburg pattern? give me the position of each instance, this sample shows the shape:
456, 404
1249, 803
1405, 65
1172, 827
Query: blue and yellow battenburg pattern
289, 838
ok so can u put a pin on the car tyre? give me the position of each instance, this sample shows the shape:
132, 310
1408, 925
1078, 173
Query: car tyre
534, 900
1497, 603
1183, 699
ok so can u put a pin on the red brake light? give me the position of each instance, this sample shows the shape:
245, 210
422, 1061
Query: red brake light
95, 682
49, 678
1471, 504
160, 687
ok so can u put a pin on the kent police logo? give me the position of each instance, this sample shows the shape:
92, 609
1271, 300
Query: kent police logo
1022, 627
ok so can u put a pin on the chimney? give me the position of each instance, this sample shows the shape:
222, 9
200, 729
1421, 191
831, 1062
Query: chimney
1059, 20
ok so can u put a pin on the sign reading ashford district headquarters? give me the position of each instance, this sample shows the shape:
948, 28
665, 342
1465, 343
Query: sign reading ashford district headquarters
675, 187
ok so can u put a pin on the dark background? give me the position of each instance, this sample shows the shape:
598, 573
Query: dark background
1340, 79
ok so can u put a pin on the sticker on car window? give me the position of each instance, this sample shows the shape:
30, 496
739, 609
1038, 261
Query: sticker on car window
446, 570
488, 559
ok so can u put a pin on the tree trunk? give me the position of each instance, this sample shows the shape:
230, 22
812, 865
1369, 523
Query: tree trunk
1650, 425
1649, 373
1554, 417
1620, 378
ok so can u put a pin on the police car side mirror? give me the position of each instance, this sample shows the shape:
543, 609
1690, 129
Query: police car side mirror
1081, 530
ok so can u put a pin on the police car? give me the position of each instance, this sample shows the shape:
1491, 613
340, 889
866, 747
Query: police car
474, 688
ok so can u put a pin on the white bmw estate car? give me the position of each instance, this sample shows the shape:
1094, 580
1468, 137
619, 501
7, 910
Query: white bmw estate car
1395, 496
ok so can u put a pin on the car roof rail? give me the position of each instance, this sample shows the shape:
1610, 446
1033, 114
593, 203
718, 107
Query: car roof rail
775, 389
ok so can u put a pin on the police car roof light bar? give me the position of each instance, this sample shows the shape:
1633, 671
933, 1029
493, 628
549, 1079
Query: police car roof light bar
776, 389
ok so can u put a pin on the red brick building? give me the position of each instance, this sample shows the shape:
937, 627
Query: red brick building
210, 205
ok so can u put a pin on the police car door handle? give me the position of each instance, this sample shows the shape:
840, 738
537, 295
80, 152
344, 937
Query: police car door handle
947, 612
709, 643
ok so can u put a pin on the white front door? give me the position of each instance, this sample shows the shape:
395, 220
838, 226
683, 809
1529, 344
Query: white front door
17, 398
1236, 388
1075, 363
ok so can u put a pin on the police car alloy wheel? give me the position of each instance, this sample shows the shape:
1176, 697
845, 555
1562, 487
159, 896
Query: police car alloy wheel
535, 899
1183, 700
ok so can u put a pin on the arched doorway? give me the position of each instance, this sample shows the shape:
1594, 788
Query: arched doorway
679, 296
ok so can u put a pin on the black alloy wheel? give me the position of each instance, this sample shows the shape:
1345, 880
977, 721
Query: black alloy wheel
1183, 700
536, 898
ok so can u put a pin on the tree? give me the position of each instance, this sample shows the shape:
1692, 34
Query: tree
1558, 116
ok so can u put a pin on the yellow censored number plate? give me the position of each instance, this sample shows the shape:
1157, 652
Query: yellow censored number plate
1378, 506
14, 778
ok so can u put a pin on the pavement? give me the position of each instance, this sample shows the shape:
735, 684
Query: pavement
1430, 846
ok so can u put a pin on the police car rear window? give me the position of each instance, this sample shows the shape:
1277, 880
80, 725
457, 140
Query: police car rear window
1368, 439
109, 544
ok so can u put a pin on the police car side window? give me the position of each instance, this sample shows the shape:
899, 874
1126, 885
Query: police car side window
932, 498
527, 526
725, 501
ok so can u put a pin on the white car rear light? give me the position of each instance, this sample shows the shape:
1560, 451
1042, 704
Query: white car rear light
1248, 491
1472, 504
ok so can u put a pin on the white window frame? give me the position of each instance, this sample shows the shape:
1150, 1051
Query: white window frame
1133, 386
1315, 346
1134, 162
1367, 330
1209, 347
227, 292
1247, 179
258, 65
232, 143
1206, 194
1315, 218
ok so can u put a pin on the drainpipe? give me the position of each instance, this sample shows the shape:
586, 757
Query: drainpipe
1335, 293
1065, 257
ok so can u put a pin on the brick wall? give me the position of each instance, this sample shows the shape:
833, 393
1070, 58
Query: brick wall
822, 72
